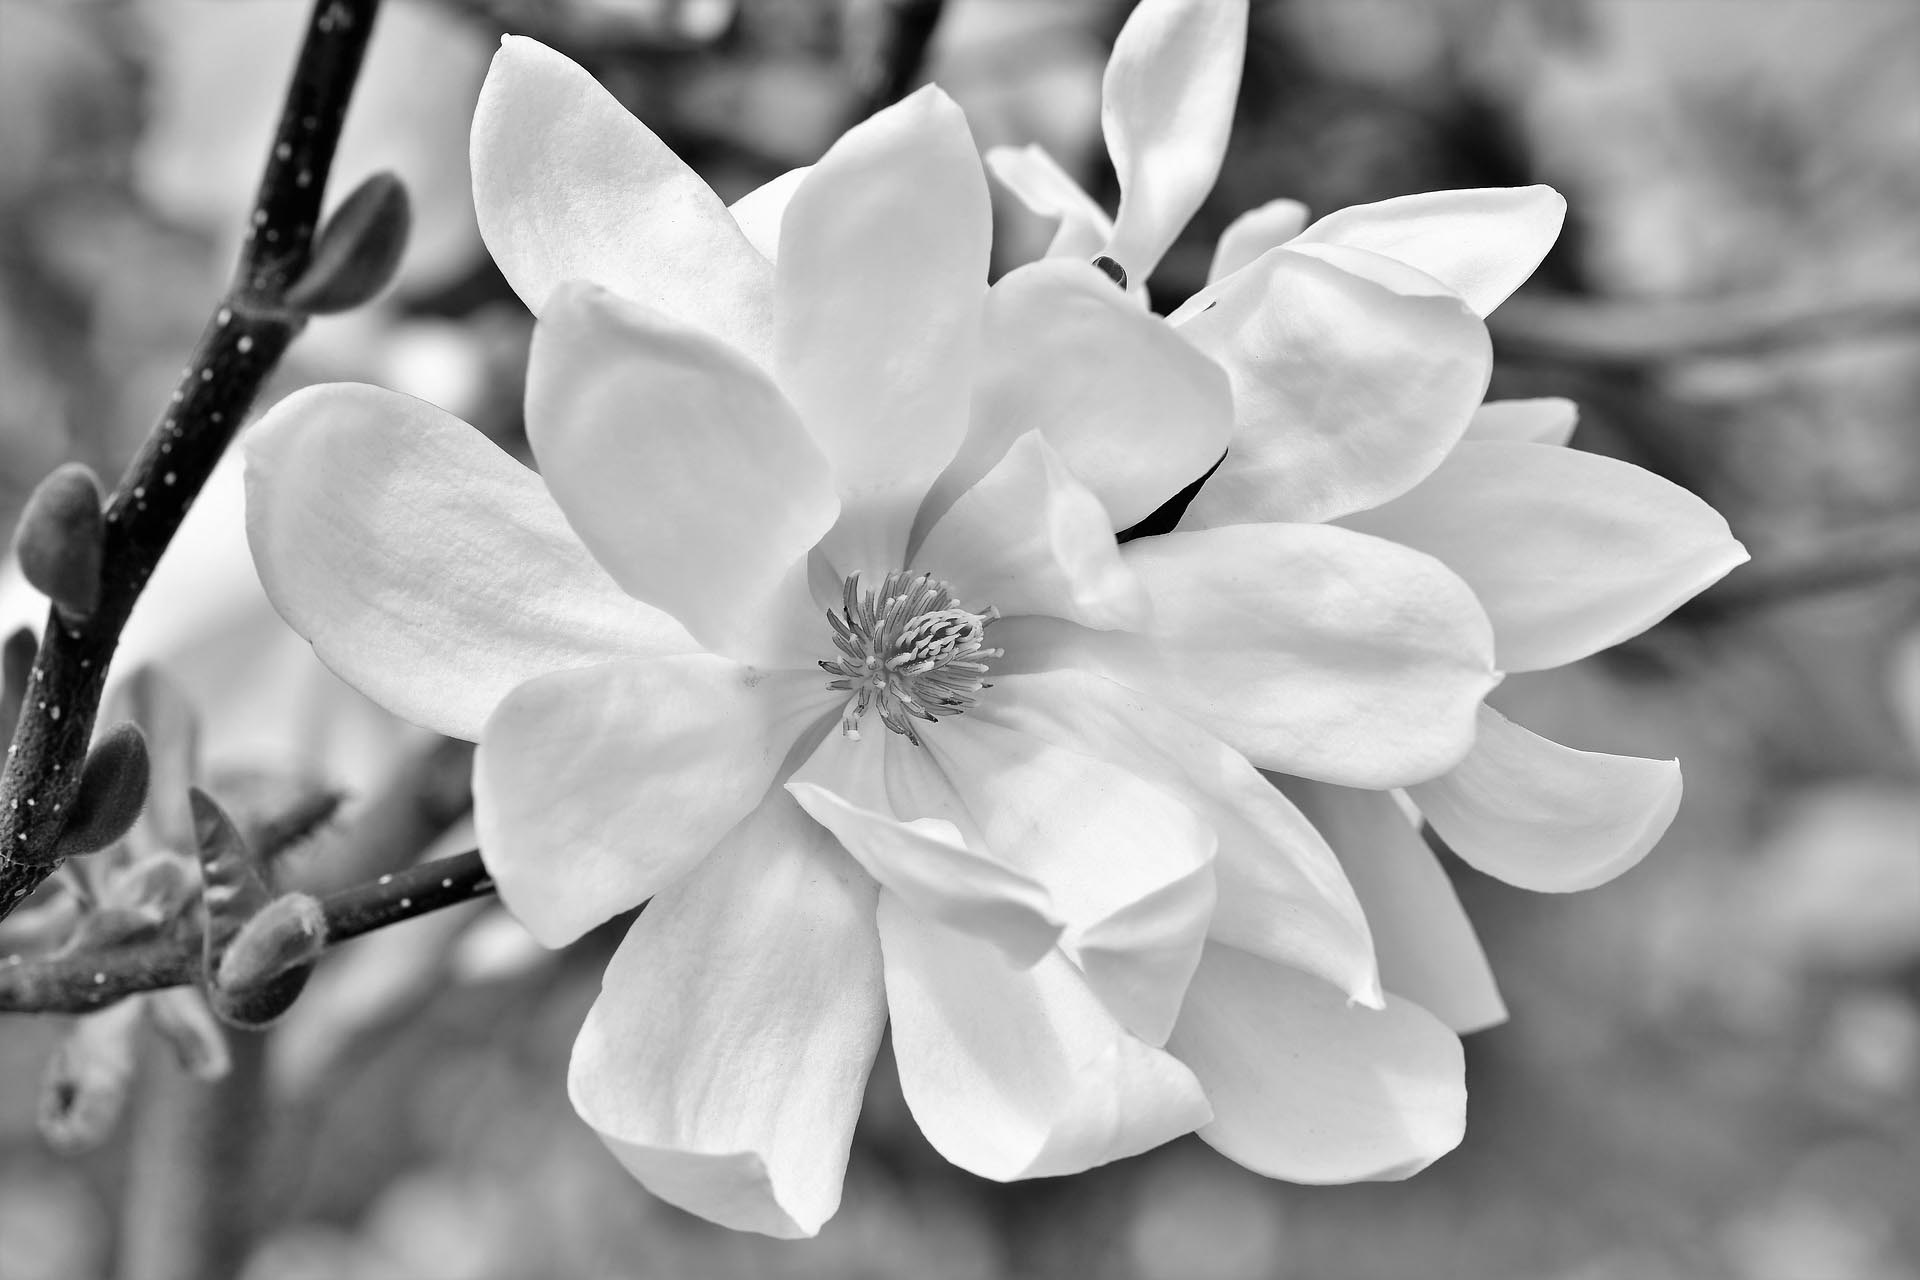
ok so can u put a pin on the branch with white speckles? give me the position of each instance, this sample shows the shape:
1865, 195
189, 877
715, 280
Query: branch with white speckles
272, 294
80, 981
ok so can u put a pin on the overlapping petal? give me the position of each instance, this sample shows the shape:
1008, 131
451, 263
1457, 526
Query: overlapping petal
1570, 552
1309, 1088
1429, 952
680, 465
1136, 413
1548, 817
1281, 892
1352, 378
1166, 107
1128, 866
1250, 235
492, 587
595, 789
1480, 243
1310, 652
1021, 1073
893, 811
1039, 182
726, 1056
882, 268
759, 212
569, 186
1030, 538
1544, 420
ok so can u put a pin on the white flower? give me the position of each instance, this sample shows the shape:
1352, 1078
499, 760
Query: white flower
854, 455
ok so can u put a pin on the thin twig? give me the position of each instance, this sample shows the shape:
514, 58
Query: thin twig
238, 350
76, 983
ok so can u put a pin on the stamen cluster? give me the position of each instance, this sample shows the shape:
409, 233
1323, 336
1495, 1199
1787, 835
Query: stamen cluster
909, 649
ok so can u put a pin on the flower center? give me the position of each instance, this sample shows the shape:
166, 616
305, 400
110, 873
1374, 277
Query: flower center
907, 650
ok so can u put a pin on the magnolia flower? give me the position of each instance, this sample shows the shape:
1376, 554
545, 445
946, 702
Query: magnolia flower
1358, 359
772, 642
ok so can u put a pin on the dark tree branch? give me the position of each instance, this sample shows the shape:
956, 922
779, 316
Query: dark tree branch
238, 350
78, 982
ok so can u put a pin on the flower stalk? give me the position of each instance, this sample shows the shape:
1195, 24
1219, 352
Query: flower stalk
243, 341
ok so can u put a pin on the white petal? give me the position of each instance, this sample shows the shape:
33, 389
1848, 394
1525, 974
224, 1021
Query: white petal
760, 211
1570, 552
1050, 191
1030, 538
1306, 651
569, 186
1166, 106
1429, 952
595, 789
1480, 243
1282, 893
1547, 817
428, 568
1352, 377
1259, 229
678, 462
1545, 420
1309, 1088
725, 1059
1021, 1073
889, 807
1136, 412
1128, 867
882, 268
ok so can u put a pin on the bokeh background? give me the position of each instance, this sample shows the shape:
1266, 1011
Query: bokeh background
1713, 1065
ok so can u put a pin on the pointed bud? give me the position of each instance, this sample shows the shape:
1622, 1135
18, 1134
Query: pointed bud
267, 963
358, 250
113, 786
181, 1017
90, 1075
60, 539
16, 668
231, 887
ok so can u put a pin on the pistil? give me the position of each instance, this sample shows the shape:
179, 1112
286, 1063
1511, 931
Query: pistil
907, 651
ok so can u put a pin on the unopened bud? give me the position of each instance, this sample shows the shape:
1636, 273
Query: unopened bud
60, 539
181, 1016
358, 249
113, 786
90, 1075
16, 668
252, 986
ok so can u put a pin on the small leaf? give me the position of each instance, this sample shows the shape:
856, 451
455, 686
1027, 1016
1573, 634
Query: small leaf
113, 787
60, 539
181, 1016
90, 1075
358, 250
231, 887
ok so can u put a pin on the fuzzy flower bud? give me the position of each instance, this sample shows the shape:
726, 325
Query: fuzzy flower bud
358, 249
61, 534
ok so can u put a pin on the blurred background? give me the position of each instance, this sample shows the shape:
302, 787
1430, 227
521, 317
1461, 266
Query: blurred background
1713, 1065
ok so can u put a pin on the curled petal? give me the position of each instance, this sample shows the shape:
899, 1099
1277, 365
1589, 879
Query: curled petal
1050, 192
1136, 413
882, 267
569, 186
1352, 377
1546, 817
679, 463
1259, 229
1309, 1088
890, 808
493, 588
1429, 952
1166, 107
595, 789
725, 1060
1307, 651
1545, 420
1570, 552
1030, 538
1021, 1073
1481, 243
1128, 866
1282, 893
